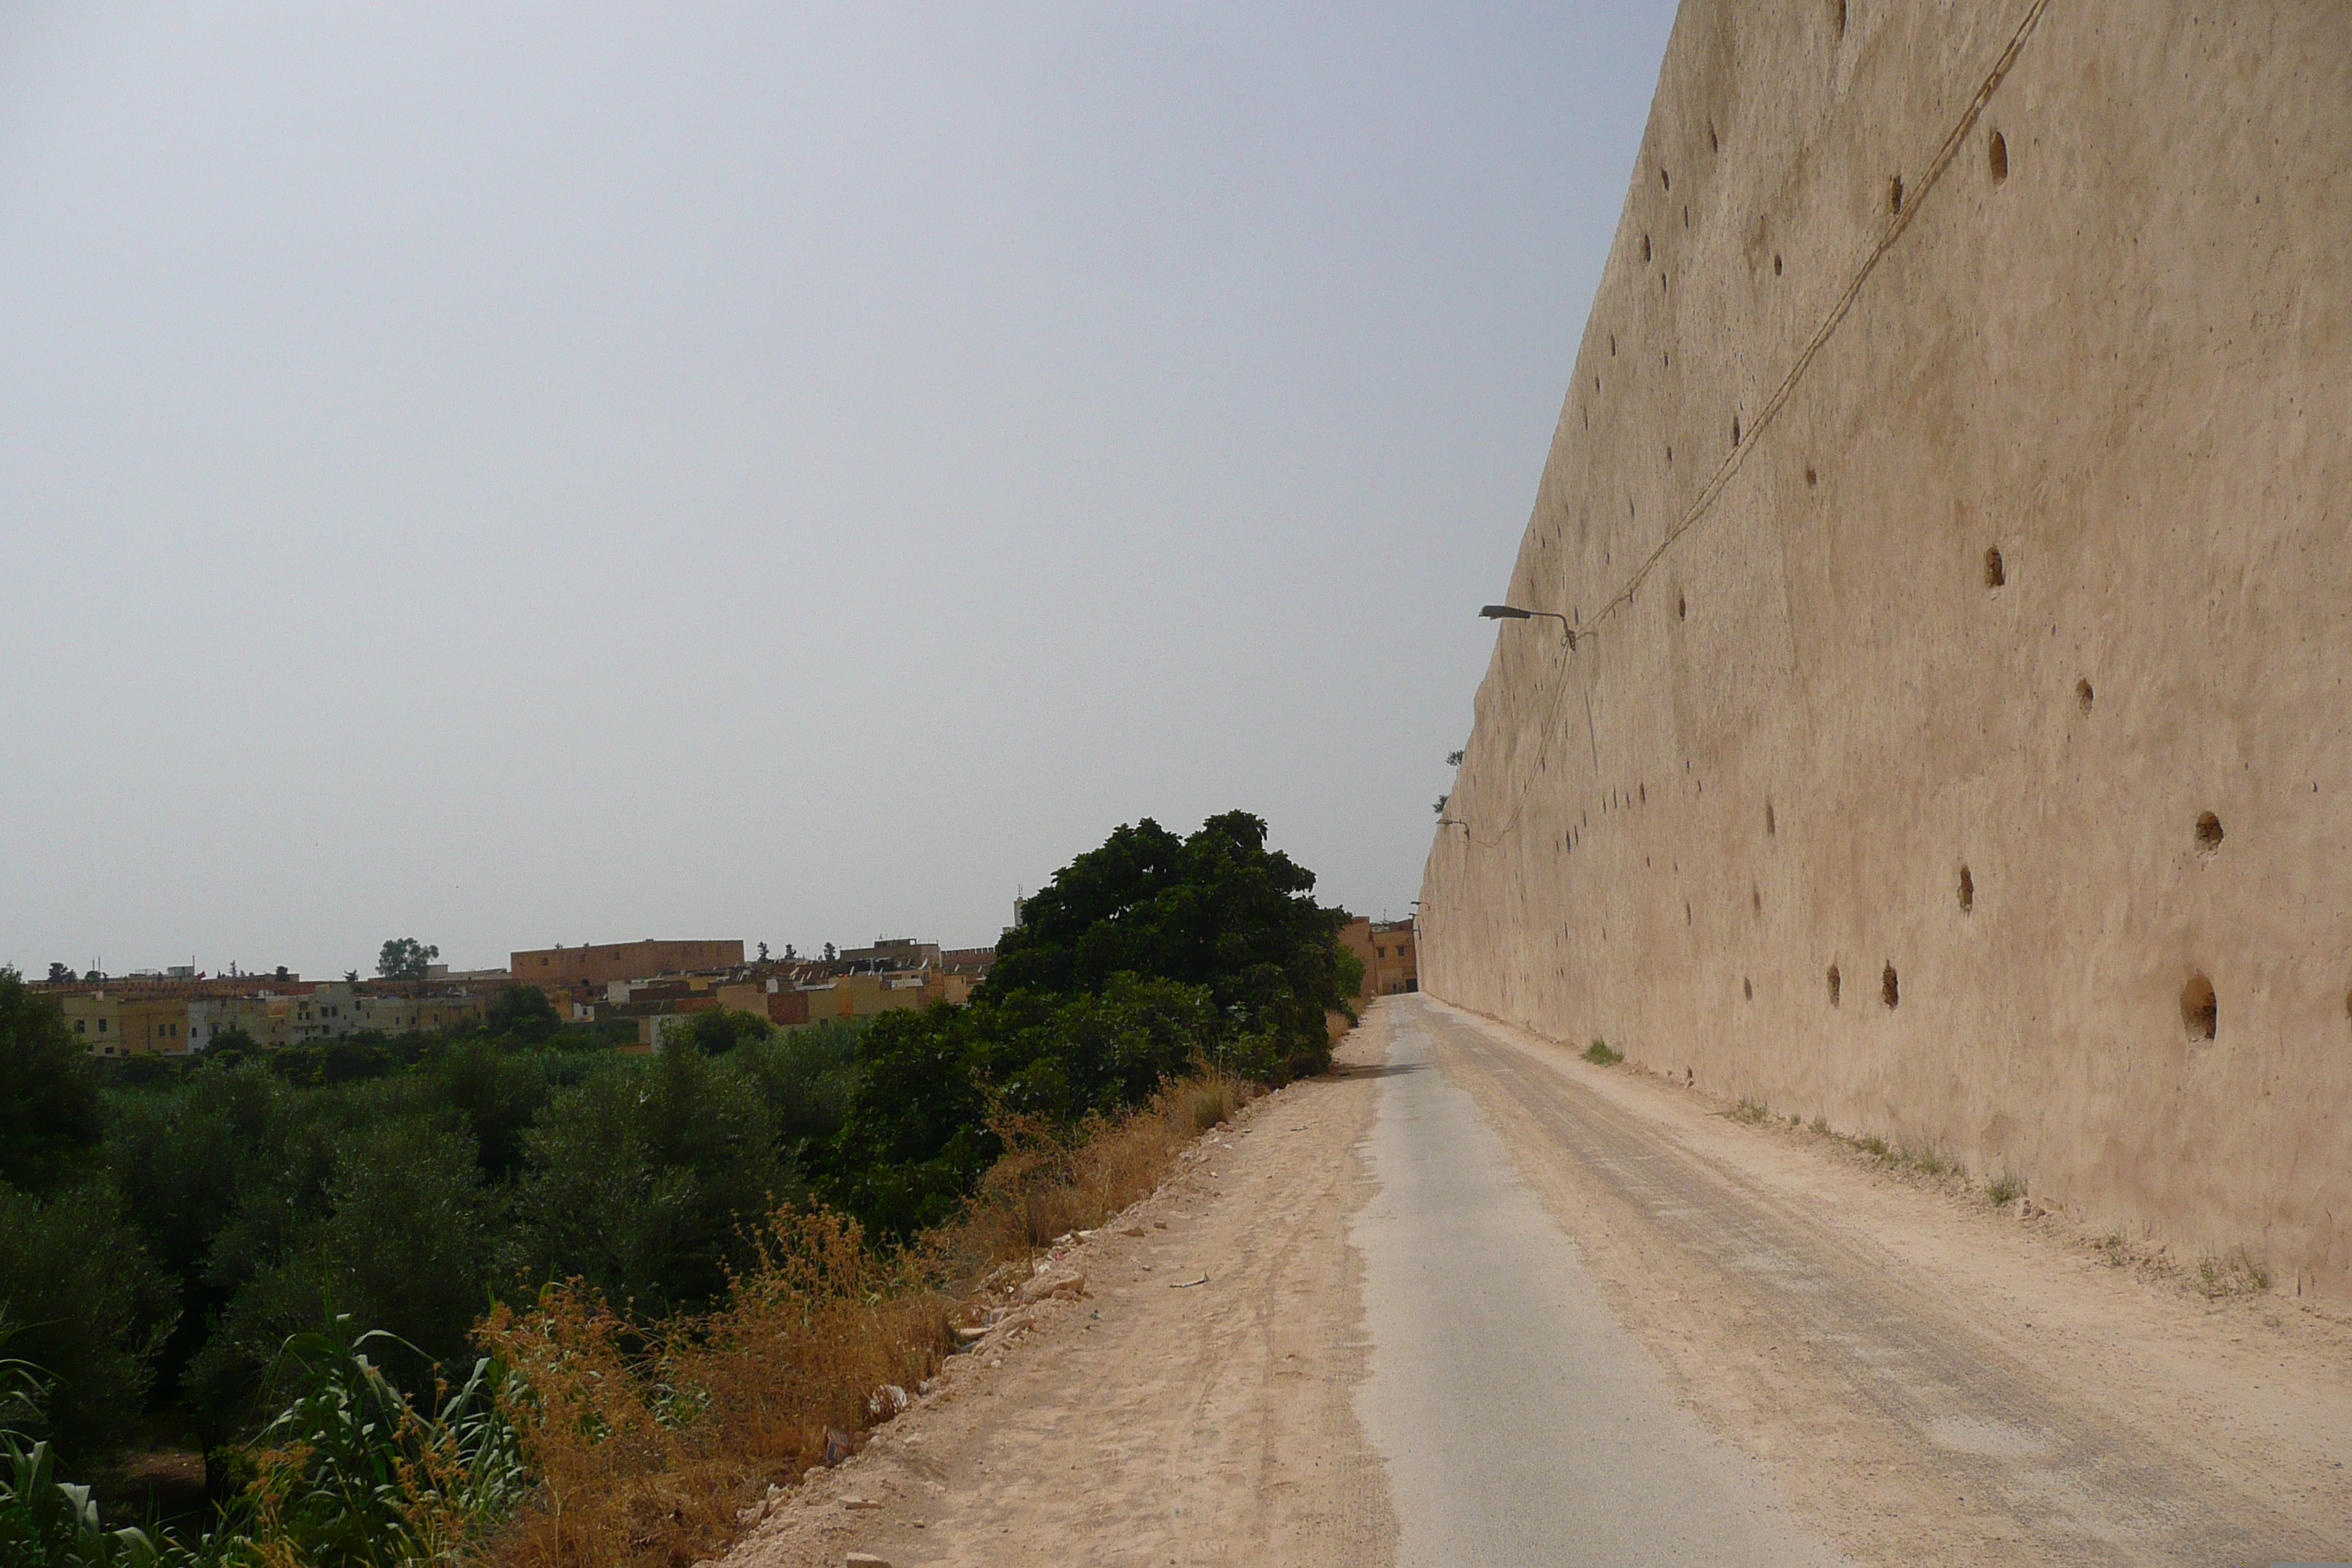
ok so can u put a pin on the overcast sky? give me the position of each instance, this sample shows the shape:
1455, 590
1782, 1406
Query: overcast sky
513, 475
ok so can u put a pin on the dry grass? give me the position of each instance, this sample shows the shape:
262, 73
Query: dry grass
648, 1441
1053, 1181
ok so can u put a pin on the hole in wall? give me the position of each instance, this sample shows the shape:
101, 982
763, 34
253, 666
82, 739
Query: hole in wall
1835, 986
1776, 264
1612, 345
1645, 790
1670, 454
1746, 989
1811, 479
2201, 1010
1735, 429
1771, 826
2083, 695
1755, 898
1687, 218
1714, 143
1995, 572
1997, 157
1687, 914
1895, 194
1666, 180
1890, 989
1967, 891
1645, 247
2208, 833
1837, 10
1682, 608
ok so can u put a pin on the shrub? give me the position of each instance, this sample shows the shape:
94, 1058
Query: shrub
1599, 1054
49, 1116
87, 1305
639, 1180
352, 1472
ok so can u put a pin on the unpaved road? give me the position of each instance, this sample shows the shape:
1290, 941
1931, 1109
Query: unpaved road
1470, 1300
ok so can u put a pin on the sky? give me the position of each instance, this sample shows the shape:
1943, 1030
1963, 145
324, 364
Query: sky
513, 475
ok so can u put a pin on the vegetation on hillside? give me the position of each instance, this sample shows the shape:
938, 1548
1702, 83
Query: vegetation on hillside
254, 1247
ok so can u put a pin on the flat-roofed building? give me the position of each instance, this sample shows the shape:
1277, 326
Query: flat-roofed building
112, 1024
600, 963
1391, 967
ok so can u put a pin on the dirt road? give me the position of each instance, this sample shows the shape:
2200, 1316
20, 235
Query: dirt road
1472, 1299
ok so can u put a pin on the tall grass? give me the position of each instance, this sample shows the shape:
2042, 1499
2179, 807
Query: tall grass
649, 1440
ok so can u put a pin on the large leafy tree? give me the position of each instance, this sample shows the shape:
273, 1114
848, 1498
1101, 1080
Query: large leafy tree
406, 958
1137, 959
49, 1116
1217, 910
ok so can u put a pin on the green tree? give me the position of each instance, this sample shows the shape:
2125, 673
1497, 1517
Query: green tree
406, 958
398, 1230
49, 1116
500, 1093
916, 1137
718, 1030
644, 1179
521, 1013
807, 1076
87, 1305
1217, 910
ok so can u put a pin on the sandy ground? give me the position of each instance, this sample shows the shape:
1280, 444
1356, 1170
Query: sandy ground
1154, 1420
1897, 1373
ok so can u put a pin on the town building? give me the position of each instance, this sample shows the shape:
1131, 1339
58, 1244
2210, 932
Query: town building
601, 964
1386, 947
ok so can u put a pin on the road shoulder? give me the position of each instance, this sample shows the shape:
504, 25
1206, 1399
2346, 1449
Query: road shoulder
1163, 1417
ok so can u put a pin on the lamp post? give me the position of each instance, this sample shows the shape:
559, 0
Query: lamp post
1513, 613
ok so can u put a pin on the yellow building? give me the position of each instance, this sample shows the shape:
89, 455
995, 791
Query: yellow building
863, 996
1387, 949
109, 1024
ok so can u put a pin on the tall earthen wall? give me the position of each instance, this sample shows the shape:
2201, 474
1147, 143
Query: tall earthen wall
1898, 287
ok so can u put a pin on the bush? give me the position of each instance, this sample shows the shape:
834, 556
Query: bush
86, 1305
49, 1115
1599, 1054
1217, 910
352, 1472
639, 1180
716, 1031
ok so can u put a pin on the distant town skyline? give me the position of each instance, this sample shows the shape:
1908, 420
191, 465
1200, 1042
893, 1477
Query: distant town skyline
543, 473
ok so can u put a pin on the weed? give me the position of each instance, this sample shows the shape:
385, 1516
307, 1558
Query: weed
1599, 1054
2117, 1250
1748, 1110
2236, 1275
1821, 1125
647, 1439
2006, 1188
1871, 1145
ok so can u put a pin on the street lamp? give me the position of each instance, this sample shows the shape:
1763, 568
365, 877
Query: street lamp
1513, 613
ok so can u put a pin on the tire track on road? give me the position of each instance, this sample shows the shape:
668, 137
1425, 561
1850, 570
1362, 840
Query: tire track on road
1955, 1429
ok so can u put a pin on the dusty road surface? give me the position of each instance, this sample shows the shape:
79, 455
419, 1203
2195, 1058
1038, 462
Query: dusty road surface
1472, 1300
